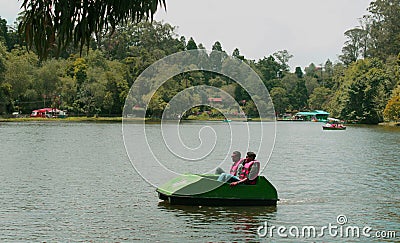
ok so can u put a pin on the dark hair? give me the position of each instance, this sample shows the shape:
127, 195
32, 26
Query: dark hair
237, 153
251, 154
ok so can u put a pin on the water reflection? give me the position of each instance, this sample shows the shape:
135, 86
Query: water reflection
239, 221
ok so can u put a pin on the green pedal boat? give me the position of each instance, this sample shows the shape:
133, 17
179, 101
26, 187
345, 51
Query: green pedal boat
192, 189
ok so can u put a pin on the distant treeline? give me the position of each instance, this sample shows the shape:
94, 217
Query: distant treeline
364, 85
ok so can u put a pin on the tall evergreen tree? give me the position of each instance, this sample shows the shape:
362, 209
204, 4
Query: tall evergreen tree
385, 28
298, 72
191, 45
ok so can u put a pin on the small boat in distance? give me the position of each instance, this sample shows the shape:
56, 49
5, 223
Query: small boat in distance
205, 190
334, 124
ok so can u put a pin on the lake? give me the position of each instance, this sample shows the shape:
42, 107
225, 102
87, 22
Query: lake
75, 182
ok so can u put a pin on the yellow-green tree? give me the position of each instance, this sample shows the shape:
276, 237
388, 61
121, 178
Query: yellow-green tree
392, 109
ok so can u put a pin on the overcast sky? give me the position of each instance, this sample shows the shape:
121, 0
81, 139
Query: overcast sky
311, 30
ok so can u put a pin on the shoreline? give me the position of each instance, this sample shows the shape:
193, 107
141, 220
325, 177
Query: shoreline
120, 119
68, 119
390, 124
109, 119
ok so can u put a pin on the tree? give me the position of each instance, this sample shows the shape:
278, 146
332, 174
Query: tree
80, 71
236, 53
153, 38
296, 91
250, 109
300, 96
360, 95
268, 69
116, 88
47, 77
20, 73
354, 46
392, 66
358, 41
392, 109
2, 61
311, 83
191, 45
280, 99
8, 35
385, 28
216, 82
5, 88
6, 101
283, 58
50, 26
298, 72
156, 105
318, 98
311, 70
217, 56
217, 46
328, 77
3, 31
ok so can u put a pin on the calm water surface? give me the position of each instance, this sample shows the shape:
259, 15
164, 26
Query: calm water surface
74, 182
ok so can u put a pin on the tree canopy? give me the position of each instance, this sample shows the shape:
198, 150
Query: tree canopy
50, 26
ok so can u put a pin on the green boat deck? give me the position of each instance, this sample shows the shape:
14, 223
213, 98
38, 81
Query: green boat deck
192, 189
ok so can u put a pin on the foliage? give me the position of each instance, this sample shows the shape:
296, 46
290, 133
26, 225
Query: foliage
318, 98
298, 72
3, 61
354, 45
8, 35
268, 69
97, 83
360, 95
385, 28
236, 53
191, 45
283, 58
392, 109
280, 99
48, 25
378, 34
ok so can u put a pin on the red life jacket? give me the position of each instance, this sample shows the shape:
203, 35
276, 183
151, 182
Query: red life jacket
235, 167
245, 172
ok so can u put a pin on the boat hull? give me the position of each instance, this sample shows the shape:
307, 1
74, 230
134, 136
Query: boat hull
206, 190
333, 128
180, 200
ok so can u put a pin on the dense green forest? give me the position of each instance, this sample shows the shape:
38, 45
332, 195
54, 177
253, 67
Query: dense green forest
364, 85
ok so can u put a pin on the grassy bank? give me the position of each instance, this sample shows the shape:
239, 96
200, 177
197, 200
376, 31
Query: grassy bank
68, 119
108, 119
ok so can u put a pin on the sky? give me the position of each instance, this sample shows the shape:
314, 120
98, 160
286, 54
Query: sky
311, 30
